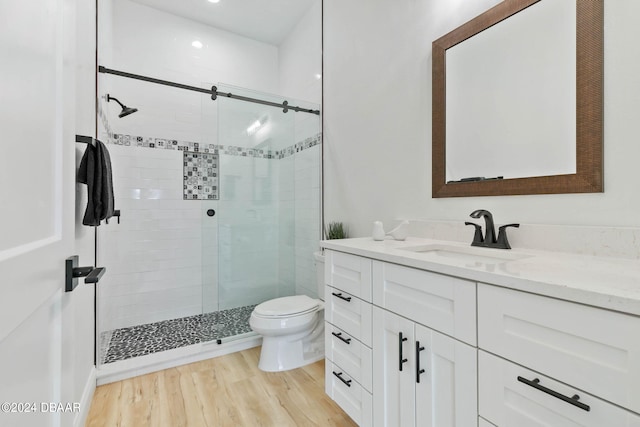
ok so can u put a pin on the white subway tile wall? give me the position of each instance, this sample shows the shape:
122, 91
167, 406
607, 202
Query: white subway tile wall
167, 258
154, 256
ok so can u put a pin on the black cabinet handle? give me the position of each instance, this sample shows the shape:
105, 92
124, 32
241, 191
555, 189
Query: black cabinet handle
535, 383
339, 375
341, 338
418, 370
339, 295
401, 360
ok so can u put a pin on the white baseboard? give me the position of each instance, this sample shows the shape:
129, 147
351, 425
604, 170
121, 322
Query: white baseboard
142, 365
85, 401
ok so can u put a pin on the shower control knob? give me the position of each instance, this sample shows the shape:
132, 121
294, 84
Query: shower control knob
211, 212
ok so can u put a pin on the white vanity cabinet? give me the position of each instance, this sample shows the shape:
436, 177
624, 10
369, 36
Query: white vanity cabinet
546, 351
430, 349
437, 385
348, 338
421, 377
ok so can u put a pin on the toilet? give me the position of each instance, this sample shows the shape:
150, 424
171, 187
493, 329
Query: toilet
292, 328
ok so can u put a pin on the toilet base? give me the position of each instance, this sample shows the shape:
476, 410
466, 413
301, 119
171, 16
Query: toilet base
285, 353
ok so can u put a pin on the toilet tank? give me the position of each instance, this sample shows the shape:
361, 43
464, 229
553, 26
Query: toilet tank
319, 262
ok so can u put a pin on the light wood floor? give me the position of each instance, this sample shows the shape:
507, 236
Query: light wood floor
226, 391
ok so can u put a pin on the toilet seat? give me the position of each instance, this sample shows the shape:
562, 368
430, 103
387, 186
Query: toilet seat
297, 305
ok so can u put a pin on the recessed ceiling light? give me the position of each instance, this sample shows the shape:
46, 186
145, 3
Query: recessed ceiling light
214, 1
318, 76
197, 44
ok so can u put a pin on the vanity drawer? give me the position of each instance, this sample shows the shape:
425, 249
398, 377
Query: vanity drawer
350, 273
348, 313
592, 349
446, 304
507, 401
349, 395
348, 353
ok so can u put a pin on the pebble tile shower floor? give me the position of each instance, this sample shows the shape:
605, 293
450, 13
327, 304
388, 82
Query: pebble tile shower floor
140, 340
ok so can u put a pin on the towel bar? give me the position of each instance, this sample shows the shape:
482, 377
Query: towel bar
73, 272
83, 139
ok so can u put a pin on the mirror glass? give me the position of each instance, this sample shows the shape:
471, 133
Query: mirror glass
511, 97
517, 101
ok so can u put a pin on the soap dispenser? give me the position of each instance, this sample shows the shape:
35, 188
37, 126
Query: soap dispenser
378, 231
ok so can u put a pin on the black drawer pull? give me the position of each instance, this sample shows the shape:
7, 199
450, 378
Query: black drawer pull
339, 336
401, 360
339, 375
347, 299
418, 370
535, 383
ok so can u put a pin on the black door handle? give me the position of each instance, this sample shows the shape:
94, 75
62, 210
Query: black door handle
339, 295
401, 360
73, 272
341, 338
535, 383
418, 370
339, 375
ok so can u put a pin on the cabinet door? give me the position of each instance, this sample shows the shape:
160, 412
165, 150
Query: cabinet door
446, 392
393, 389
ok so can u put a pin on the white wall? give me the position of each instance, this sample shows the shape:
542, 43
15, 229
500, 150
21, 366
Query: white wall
153, 43
300, 58
377, 125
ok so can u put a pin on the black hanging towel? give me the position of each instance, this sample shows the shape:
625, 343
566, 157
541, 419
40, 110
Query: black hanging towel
95, 171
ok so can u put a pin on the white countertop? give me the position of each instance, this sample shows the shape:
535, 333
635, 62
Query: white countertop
610, 283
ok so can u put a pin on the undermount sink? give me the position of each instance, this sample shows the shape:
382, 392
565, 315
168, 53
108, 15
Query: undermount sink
470, 254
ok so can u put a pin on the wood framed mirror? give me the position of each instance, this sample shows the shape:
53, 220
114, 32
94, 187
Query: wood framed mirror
589, 63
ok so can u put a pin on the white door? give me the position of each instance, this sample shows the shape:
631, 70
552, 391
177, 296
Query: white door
446, 394
393, 388
37, 185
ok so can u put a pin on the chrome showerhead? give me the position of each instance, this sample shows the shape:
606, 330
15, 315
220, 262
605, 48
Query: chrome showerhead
125, 110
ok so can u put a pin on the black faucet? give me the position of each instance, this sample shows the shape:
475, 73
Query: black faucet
489, 240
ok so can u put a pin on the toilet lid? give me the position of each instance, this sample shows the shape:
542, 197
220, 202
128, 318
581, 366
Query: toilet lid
286, 306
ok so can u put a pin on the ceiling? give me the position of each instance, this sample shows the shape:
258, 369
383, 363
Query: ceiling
269, 21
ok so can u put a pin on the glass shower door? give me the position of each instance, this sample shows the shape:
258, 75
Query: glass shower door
252, 243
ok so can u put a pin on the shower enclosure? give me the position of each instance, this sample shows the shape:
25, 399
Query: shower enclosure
219, 197
208, 229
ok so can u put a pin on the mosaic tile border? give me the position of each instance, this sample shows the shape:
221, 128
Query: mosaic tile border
200, 176
196, 147
141, 340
